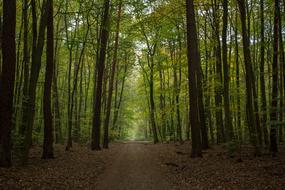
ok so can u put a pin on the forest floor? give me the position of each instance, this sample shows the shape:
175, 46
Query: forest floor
141, 165
220, 170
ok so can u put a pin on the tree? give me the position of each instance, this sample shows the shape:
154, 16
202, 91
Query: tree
274, 101
219, 75
252, 118
29, 105
111, 82
228, 116
151, 38
95, 144
193, 72
7, 80
262, 80
48, 122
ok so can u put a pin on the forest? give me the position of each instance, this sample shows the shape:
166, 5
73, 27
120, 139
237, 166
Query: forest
188, 91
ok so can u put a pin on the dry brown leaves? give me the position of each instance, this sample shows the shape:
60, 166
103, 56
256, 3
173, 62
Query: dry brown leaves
76, 169
216, 170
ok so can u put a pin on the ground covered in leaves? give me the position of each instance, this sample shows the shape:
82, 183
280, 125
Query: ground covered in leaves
141, 165
220, 170
75, 169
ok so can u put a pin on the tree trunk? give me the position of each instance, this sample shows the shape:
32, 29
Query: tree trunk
48, 123
281, 74
162, 101
218, 83
151, 99
26, 59
238, 117
274, 101
193, 72
29, 105
204, 127
262, 80
228, 116
57, 117
251, 116
95, 144
207, 80
111, 82
118, 105
7, 80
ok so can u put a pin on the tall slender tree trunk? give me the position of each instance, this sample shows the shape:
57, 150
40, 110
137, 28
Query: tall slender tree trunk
78, 124
151, 100
57, 117
77, 69
228, 115
274, 101
207, 80
111, 82
1, 32
177, 106
120, 98
281, 74
251, 116
7, 80
55, 93
237, 75
95, 144
29, 105
262, 80
193, 72
219, 77
26, 58
202, 116
48, 123
283, 68
162, 101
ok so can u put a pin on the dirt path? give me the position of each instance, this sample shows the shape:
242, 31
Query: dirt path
135, 166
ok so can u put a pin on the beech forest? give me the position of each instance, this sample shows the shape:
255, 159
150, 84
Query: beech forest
142, 94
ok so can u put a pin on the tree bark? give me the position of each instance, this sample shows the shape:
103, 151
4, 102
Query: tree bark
219, 76
118, 105
237, 75
7, 80
48, 123
95, 144
29, 105
228, 115
262, 80
250, 84
193, 72
274, 101
57, 116
111, 82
